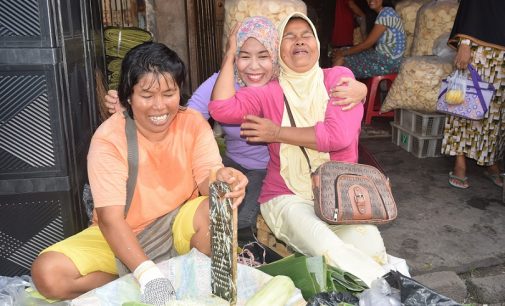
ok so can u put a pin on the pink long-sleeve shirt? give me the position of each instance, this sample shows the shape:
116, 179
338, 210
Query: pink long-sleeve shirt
338, 134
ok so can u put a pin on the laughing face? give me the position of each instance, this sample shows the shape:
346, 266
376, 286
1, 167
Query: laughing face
155, 102
254, 63
299, 49
375, 5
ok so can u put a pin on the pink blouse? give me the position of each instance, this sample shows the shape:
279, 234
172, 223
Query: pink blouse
338, 134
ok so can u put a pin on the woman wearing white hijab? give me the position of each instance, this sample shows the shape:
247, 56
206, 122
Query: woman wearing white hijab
324, 127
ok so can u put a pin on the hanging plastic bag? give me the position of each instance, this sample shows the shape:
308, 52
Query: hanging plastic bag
456, 87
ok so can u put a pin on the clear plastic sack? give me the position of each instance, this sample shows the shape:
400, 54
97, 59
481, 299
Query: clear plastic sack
407, 10
442, 49
380, 294
456, 87
433, 19
12, 290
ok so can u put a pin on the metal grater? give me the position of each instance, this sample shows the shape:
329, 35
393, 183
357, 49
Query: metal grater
223, 235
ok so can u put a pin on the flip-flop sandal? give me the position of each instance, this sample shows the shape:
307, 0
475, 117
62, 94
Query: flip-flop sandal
462, 181
494, 178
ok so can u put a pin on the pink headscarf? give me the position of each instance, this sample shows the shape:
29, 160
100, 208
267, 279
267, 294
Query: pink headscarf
265, 32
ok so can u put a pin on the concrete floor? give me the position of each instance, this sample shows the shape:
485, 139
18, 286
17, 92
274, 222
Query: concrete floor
440, 228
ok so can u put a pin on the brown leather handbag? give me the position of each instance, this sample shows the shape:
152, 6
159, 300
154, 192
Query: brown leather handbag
347, 193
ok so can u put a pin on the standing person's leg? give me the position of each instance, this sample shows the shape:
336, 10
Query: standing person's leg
74, 266
493, 173
457, 177
292, 220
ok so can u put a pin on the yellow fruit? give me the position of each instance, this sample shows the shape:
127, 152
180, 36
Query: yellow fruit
454, 96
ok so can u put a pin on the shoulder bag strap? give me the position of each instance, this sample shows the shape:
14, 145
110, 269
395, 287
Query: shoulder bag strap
293, 124
133, 159
476, 79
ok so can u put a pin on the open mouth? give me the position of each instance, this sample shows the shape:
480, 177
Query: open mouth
159, 120
300, 52
255, 77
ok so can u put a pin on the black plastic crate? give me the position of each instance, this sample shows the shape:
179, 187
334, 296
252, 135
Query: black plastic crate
31, 133
36, 23
30, 222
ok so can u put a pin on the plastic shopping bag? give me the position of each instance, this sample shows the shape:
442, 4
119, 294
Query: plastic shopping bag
456, 87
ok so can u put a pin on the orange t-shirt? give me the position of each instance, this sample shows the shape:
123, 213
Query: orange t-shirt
168, 173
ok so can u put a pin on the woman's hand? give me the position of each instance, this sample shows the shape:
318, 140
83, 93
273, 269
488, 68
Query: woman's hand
463, 56
338, 57
112, 102
231, 45
237, 181
348, 92
257, 129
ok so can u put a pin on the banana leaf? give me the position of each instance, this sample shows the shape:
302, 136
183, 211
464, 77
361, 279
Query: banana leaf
304, 274
344, 281
312, 275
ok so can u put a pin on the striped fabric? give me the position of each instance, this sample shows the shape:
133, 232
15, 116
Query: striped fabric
393, 40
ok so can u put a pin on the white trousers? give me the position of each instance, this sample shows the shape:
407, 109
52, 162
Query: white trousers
358, 249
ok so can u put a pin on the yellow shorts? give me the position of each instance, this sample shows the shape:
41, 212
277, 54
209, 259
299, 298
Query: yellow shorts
90, 252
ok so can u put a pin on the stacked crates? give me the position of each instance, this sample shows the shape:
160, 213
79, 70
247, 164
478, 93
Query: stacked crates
418, 133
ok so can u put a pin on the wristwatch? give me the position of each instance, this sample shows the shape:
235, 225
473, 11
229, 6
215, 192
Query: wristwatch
465, 42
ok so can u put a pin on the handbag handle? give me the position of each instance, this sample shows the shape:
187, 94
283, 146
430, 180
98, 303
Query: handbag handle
293, 124
476, 79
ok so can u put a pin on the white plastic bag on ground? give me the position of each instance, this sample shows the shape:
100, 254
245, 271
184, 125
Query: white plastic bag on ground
12, 290
397, 264
190, 275
380, 294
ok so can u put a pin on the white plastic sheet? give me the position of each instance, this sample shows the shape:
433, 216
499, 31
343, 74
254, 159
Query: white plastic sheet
190, 275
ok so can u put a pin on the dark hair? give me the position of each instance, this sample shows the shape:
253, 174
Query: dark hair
388, 3
149, 57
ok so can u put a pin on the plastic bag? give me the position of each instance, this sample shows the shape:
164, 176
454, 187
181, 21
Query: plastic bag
407, 10
433, 19
380, 294
190, 275
418, 83
456, 88
441, 49
12, 289
413, 293
333, 298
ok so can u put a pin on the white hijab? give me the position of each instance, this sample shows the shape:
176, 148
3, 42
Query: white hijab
307, 97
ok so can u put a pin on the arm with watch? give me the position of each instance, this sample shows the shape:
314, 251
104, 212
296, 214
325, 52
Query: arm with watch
463, 56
